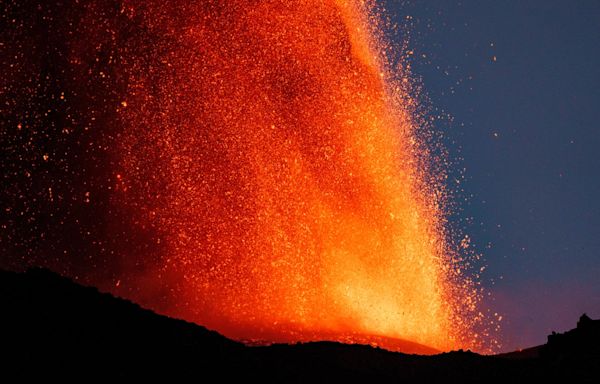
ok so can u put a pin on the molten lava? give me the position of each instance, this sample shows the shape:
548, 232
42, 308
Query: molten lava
271, 156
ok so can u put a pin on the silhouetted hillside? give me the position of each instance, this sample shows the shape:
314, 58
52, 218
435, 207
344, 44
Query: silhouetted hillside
52, 328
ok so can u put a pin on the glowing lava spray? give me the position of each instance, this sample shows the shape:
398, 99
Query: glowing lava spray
271, 153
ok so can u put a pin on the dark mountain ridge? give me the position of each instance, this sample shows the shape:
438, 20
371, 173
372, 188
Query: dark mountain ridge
51, 327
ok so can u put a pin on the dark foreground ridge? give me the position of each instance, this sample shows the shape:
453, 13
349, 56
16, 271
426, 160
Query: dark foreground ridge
53, 328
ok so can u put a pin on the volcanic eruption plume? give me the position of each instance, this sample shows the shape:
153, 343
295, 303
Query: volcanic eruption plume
265, 176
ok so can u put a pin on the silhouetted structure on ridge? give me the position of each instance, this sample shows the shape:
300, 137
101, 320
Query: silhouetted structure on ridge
586, 323
581, 341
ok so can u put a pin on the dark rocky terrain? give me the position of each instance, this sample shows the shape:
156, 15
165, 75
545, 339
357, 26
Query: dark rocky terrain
53, 328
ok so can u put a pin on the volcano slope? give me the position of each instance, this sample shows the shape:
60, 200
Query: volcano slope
54, 328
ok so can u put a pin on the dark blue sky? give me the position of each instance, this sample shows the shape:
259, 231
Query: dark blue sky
525, 127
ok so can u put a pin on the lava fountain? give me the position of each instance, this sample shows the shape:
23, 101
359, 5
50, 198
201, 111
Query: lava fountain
271, 154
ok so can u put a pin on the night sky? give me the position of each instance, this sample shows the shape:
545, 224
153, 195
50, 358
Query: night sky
521, 84
101, 174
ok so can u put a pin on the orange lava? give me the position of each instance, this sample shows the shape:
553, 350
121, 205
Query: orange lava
272, 156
